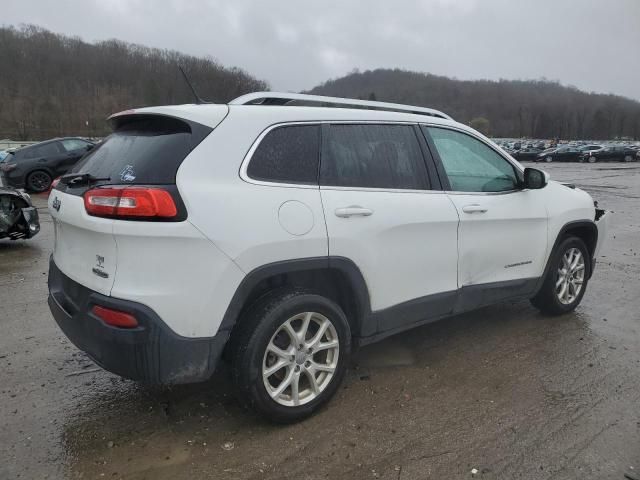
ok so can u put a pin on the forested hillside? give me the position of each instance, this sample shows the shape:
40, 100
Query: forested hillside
537, 109
52, 85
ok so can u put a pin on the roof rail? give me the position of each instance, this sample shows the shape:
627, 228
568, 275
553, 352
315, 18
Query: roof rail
276, 98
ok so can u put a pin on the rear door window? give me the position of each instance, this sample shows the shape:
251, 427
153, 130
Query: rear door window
373, 156
287, 154
144, 149
72, 144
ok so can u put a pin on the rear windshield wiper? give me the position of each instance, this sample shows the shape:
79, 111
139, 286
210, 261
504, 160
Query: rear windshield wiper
75, 178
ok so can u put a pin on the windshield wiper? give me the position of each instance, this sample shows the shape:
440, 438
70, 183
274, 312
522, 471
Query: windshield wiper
75, 178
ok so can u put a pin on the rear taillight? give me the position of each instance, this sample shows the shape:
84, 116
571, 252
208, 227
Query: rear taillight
7, 167
139, 202
115, 318
55, 182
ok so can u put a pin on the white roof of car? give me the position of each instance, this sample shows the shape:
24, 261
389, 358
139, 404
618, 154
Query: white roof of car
278, 108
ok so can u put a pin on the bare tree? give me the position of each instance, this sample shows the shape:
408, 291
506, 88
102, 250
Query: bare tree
53, 85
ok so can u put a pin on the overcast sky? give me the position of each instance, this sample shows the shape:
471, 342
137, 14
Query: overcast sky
296, 44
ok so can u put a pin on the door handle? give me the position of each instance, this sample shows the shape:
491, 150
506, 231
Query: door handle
475, 208
352, 211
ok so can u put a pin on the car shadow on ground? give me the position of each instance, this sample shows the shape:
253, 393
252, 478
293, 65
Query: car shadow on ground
122, 427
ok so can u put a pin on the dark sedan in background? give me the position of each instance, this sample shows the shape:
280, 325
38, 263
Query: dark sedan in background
611, 154
527, 154
34, 167
560, 154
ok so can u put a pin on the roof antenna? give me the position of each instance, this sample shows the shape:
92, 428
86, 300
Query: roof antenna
199, 101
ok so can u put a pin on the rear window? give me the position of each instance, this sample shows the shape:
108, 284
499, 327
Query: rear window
288, 154
143, 149
72, 144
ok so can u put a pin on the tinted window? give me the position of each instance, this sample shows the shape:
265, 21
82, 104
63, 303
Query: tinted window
374, 156
71, 144
143, 150
472, 166
287, 155
46, 150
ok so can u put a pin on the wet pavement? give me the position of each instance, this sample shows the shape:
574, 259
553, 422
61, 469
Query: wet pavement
503, 390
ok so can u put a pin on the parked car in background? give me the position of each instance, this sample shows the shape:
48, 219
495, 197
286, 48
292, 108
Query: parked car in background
18, 217
527, 154
591, 148
34, 167
611, 154
560, 154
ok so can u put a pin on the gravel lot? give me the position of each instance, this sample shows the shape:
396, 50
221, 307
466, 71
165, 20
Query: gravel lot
502, 390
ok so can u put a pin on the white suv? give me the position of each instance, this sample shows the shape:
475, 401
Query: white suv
278, 235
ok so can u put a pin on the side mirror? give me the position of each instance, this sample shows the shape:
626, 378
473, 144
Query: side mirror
535, 179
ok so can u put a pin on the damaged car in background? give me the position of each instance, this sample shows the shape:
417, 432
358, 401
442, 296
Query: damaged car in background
18, 216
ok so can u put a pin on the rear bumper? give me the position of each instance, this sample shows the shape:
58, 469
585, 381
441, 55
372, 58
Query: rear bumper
151, 353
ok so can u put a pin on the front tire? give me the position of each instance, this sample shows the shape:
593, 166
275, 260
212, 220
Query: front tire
290, 354
592, 159
566, 279
548, 159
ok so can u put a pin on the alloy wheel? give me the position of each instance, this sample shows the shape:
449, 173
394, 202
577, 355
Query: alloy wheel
39, 181
300, 359
570, 278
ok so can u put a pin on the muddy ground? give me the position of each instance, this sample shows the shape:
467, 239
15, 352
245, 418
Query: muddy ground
502, 390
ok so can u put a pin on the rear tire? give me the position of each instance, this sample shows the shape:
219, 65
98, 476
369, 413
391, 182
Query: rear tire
628, 158
566, 279
592, 159
38, 181
308, 336
548, 159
